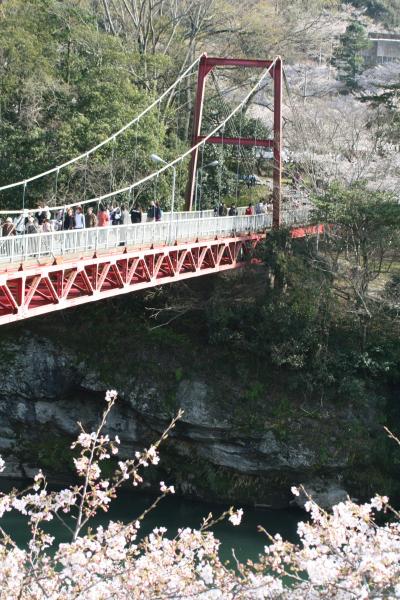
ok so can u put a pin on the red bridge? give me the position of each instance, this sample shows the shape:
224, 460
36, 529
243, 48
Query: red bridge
43, 272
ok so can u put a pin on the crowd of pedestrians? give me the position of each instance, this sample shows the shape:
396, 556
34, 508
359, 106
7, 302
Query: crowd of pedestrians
44, 220
260, 208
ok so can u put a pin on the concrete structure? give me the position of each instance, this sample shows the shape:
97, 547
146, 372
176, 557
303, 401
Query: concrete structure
384, 47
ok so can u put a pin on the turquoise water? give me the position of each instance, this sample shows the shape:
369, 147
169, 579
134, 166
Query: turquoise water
174, 512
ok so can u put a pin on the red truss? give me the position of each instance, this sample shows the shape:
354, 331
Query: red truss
39, 289
36, 290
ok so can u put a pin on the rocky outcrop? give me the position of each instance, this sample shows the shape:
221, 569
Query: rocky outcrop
325, 493
213, 453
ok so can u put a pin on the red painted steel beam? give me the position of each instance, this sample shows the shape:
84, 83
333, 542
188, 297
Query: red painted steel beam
277, 172
197, 117
213, 61
145, 268
301, 232
237, 141
205, 66
99, 277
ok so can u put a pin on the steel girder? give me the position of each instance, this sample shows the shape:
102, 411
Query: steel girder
39, 289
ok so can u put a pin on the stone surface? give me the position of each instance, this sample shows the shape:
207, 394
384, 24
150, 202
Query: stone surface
47, 388
326, 493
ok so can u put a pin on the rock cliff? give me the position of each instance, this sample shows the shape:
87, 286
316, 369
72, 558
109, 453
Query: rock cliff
236, 441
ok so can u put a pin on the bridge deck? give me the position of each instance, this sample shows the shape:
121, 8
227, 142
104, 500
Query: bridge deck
41, 273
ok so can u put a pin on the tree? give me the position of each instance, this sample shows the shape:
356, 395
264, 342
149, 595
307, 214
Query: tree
64, 91
348, 58
362, 240
383, 11
343, 554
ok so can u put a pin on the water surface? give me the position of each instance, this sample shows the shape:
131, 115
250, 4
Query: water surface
174, 512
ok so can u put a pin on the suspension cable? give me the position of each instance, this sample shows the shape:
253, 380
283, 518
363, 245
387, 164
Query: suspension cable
226, 109
107, 140
173, 162
239, 156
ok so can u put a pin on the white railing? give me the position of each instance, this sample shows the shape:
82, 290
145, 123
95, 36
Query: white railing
58, 243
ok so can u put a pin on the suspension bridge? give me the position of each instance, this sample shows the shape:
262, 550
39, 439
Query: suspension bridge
52, 270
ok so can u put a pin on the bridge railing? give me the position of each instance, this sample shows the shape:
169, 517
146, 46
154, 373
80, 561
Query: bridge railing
187, 215
59, 243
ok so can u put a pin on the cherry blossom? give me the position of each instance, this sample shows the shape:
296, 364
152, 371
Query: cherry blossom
343, 554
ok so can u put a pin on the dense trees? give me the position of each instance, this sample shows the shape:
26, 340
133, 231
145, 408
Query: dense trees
386, 11
348, 58
65, 90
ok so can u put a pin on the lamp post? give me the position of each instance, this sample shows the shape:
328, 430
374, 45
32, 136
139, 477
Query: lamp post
213, 163
158, 159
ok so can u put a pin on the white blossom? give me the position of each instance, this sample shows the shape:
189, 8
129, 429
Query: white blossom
236, 517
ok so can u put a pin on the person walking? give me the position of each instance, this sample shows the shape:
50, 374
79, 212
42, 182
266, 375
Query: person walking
136, 214
249, 210
151, 213
31, 226
233, 211
90, 218
69, 219
125, 216
8, 227
102, 218
47, 227
20, 223
116, 215
259, 208
40, 214
79, 218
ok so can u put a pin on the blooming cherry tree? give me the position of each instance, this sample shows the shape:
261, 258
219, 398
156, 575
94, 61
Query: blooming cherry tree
342, 554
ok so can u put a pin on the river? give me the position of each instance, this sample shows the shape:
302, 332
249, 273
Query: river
174, 512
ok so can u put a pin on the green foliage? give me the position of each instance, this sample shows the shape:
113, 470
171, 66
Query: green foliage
392, 289
347, 57
357, 208
63, 91
49, 449
384, 11
255, 391
178, 374
363, 235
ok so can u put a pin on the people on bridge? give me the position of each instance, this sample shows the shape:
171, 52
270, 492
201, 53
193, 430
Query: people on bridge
103, 218
222, 210
260, 208
20, 223
47, 226
79, 218
136, 214
42, 213
125, 215
90, 218
8, 227
69, 219
158, 212
115, 215
151, 213
31, 226
233, 211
